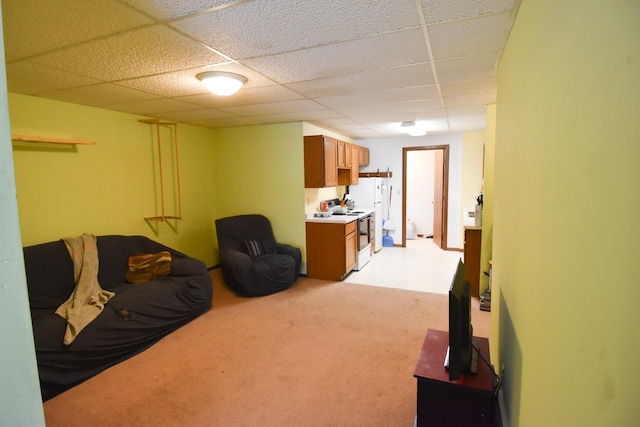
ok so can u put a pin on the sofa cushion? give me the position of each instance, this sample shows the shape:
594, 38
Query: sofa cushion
49, 271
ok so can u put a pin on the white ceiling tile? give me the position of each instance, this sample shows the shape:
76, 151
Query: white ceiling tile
340, 125
467, 67
99, 95
469, 37
469, 87
365, 134
153, 106
180, 83
30, 78
451, 10
374, 53
378, 97
274, 108
466, 111
34, 26
194, 115
390, 78
228, 122
462, 126
267, 27
297, 116
470, 100
171, 9
256, 95
185, 82
410, 110
143, 52
342, 122
390, 128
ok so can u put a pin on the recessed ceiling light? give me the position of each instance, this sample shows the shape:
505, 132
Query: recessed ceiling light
222, 83
412, 129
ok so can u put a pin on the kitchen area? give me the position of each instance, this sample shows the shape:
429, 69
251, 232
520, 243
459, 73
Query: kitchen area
342, 233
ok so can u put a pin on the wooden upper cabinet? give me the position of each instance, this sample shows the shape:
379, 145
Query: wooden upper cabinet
363, 156
320, 156
329, 162
344, 154
349, 176
355, 164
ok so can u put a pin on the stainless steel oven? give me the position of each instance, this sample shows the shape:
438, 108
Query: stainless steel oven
365, 225
364, 232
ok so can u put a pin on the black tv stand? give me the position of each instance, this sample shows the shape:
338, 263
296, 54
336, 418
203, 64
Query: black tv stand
473, 369
467, 401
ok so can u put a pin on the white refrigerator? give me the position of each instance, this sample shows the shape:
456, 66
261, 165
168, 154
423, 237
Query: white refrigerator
369, 193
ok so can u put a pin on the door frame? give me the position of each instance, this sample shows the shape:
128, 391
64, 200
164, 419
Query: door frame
445, 190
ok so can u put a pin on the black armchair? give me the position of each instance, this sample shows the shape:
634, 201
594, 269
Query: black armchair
253, 263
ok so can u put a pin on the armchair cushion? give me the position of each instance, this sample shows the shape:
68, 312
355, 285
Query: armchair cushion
253, 247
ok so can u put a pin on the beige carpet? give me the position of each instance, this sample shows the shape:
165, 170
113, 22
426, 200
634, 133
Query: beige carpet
320, 354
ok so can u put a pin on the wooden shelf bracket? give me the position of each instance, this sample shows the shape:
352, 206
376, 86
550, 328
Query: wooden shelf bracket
163, 216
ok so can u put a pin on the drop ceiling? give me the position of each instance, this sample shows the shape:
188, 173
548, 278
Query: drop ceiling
358, 67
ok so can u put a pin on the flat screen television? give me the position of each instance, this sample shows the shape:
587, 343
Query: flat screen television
462, 357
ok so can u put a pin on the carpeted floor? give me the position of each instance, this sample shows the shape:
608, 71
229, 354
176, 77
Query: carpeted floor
320, 354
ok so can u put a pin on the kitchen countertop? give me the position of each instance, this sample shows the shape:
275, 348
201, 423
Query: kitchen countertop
340, 219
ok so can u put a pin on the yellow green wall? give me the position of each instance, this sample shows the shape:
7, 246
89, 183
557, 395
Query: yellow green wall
486, 249
109, 187
566, 237
471, 181
260, 169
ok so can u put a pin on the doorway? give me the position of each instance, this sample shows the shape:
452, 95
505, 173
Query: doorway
439, 166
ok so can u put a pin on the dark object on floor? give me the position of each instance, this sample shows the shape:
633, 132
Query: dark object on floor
485, 301
253, 264
138, 316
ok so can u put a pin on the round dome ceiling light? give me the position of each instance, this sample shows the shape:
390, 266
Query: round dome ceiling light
222, 83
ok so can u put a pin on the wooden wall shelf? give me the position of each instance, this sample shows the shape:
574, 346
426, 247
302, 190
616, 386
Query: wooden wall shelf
375, 174
52, 140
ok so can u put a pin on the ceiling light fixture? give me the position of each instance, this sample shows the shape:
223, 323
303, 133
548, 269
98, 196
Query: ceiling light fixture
412, 129
222, 83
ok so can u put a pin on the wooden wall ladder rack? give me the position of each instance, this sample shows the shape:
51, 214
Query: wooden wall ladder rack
163, 217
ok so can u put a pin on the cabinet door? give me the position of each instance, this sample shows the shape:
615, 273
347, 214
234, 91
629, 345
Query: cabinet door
347, 155
330, 168
363, 156
341, 155
355, 165
320, 169
344, 154
351, 249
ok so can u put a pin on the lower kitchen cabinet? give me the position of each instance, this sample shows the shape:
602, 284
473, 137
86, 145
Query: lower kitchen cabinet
331, 249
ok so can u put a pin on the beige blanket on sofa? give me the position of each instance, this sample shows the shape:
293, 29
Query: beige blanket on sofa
87, 299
